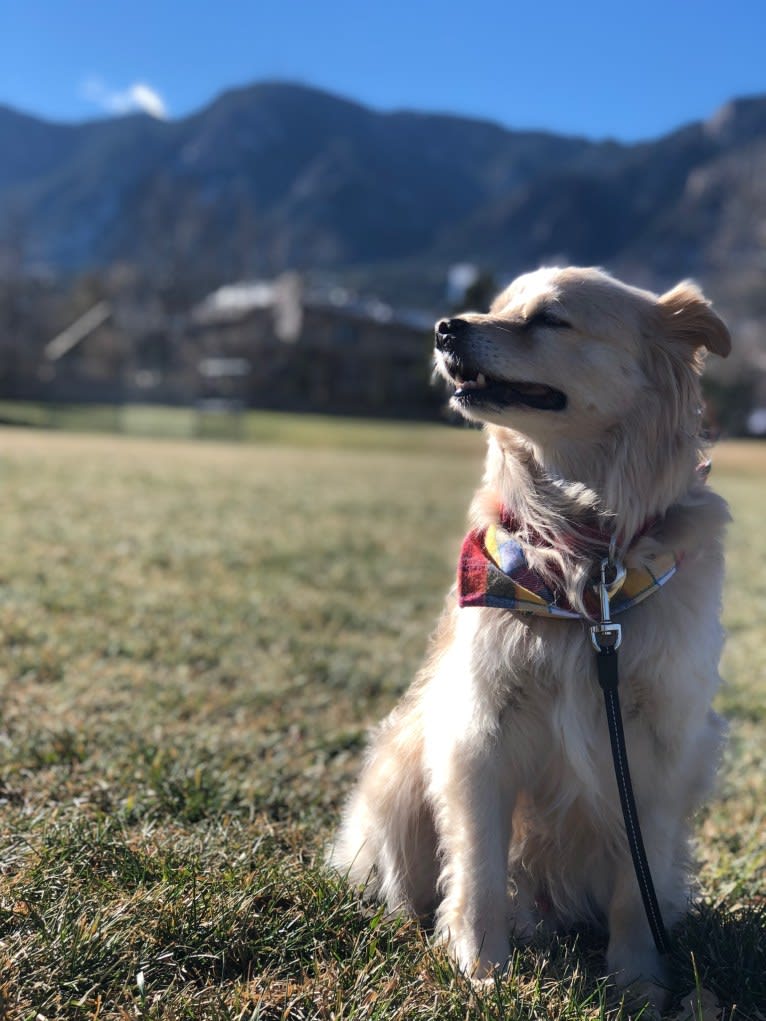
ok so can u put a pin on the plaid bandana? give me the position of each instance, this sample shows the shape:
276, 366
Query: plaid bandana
493, 571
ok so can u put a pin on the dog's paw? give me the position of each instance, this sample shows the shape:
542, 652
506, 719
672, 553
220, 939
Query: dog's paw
641, 976
488, 981
645, 1000
478, 955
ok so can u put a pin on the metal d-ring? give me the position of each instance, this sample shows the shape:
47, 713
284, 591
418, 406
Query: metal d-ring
605, 634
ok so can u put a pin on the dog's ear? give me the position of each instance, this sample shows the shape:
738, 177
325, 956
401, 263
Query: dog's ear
689, 318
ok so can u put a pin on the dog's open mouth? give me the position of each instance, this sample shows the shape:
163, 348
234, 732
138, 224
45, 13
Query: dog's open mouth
473, 388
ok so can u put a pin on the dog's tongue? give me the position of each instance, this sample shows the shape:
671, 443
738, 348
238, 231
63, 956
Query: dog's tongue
532, 389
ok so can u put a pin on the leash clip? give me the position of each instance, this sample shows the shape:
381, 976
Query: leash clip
606, 636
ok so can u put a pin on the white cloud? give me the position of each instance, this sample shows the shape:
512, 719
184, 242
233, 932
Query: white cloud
138, 96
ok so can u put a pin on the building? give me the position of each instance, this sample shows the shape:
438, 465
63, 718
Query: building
323, 352
263, 344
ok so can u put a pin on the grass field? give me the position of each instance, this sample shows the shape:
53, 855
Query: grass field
160, 421
195, 637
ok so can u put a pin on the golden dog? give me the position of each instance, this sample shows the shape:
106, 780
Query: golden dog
488, 795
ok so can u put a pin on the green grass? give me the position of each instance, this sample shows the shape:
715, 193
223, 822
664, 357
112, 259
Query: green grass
251, 426
195, 637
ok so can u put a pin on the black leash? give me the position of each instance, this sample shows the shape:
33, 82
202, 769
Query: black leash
606, 638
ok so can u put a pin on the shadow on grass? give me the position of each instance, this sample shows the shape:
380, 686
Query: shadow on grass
727, 948
716, 948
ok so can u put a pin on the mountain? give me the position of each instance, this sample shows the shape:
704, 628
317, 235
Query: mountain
277, 176
285, 175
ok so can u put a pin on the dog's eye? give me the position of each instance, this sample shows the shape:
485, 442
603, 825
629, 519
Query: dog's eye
546, 317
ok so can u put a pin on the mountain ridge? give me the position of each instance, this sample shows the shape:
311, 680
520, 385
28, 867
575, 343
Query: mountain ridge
306, 87
274, 175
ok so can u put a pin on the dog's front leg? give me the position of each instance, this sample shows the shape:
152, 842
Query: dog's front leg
631, 954
474, 828
472, 796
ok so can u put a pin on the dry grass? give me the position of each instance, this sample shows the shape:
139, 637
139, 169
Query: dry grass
195, 637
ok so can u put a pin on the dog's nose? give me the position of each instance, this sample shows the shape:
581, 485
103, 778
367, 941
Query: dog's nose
448, 329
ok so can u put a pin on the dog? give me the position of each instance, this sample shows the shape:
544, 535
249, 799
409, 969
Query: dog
488, 799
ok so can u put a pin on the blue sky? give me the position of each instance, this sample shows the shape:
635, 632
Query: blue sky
598, 69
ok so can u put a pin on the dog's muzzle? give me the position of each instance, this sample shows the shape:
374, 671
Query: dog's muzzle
474, 389
451, 339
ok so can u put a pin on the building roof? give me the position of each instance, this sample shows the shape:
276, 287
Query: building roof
234, 302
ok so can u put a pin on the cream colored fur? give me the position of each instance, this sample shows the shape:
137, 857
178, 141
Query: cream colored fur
488, 794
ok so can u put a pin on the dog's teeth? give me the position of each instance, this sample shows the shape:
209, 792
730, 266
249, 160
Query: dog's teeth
472, 384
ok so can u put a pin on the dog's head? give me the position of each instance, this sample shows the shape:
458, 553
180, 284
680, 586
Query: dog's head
570, 352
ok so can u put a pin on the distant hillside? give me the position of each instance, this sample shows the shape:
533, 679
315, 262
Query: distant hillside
278, 176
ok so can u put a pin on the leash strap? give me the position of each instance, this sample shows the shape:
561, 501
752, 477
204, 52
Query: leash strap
608, 678
606, 638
